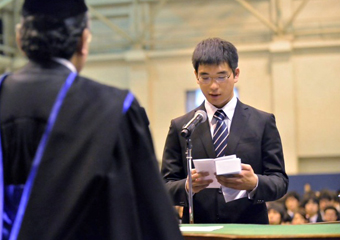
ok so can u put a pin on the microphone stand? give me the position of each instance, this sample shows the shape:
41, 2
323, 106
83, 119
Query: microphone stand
200, 116
189, 167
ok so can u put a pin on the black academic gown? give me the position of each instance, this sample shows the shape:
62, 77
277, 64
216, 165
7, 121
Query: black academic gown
98, 178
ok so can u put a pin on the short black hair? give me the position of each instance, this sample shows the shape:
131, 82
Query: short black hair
44, 37
314, 199
292, 194
61, 9
278, 207
214, 51
326, 194
302, 212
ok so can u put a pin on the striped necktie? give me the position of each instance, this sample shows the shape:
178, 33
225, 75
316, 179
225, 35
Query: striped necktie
220, 133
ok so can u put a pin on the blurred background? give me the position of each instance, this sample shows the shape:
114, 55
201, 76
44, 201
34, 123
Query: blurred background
289, 62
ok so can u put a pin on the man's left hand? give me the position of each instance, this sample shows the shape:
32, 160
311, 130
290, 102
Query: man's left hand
245, 180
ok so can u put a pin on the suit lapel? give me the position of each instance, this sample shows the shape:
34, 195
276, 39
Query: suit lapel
237, 127
204, 135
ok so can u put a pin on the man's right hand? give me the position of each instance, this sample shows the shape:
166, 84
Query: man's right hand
198, 183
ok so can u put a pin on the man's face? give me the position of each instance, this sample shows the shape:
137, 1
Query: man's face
218, 94
292, 204
311, 208
330, 215
298, 219
274, 217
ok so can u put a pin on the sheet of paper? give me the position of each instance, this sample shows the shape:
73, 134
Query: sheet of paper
228, 166
232, 194
207, 165
200, 229
226, 157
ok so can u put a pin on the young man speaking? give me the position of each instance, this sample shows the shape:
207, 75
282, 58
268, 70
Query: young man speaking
232, 128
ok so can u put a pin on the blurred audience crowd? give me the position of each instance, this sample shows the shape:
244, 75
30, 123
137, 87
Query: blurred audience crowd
311, 207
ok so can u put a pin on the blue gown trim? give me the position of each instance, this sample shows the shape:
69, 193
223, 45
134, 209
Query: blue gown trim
36, 161
2, 190
127, 102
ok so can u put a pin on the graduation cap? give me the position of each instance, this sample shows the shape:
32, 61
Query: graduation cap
56, 8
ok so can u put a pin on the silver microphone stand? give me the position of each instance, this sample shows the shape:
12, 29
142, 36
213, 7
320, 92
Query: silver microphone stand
189, 167
200, 117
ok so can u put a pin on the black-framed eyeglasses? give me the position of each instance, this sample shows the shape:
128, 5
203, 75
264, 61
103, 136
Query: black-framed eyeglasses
218, 79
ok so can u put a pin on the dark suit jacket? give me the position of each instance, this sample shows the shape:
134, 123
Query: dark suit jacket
255, 139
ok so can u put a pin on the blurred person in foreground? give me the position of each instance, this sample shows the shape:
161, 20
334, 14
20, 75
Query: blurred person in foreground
77, 156
248, 133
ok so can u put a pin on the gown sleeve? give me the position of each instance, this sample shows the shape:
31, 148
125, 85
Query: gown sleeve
154, 216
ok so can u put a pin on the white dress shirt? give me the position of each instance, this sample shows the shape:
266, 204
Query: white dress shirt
66, 63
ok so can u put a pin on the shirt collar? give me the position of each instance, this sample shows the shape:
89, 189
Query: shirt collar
66, 63
229, 109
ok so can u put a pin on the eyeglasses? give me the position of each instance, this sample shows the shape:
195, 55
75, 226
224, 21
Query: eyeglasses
208, 79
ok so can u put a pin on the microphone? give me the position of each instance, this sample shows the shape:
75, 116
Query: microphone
200, 117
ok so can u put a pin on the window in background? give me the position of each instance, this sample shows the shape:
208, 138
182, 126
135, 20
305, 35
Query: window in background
196, 97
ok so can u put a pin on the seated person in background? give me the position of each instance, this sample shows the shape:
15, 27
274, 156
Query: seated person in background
179, 211
308, 192
331, 214
275, 213
292, 203
337, 200
326, 198
311, 206
299, 217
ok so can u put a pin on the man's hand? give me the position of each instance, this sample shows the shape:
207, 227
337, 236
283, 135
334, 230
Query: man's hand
246, 180
198, 183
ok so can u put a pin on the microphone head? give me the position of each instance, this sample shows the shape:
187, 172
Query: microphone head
199, 117
203, 114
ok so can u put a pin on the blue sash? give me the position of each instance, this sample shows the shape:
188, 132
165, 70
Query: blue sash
12, 213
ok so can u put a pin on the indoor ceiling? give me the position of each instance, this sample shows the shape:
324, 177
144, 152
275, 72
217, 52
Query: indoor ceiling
120, 26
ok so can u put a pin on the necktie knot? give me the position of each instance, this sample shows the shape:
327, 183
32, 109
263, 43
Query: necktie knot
220, 115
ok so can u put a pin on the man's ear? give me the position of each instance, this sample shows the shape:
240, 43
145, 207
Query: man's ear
196, 75
83, 44
79, 57
17, 35
236, 75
